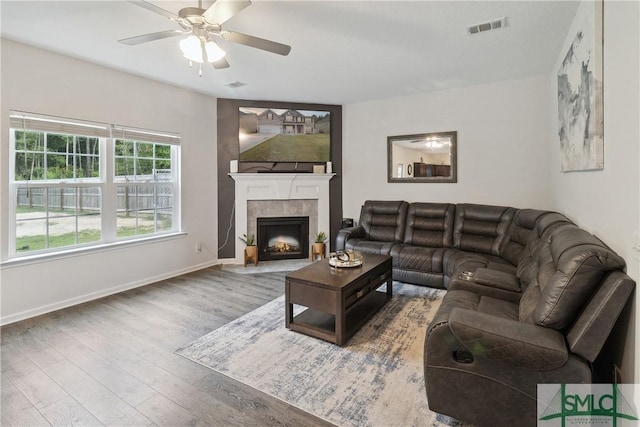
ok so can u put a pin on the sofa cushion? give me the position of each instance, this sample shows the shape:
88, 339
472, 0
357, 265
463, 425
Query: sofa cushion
481, 228
476, 302
570, 268
508, 342
430, 225
384, 221
455, 261
417, 258
418, 265
451, 300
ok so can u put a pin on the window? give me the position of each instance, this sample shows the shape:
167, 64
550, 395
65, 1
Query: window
80, 184
144, 186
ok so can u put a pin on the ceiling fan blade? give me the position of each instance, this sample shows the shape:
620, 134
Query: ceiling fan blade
154, 8
222, 10
258, 43
220, 63
132, 41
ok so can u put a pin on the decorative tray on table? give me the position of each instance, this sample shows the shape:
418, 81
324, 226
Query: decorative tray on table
345, 259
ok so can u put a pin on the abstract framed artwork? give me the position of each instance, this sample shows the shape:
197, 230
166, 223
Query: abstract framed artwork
580, 95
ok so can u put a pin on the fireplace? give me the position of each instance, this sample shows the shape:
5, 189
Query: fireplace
280, 194
283, 238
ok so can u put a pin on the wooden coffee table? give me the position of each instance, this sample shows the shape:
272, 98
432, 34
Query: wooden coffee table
338, 300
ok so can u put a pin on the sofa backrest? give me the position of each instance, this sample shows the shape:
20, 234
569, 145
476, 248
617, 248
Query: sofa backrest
570, 268
518, 234
384, 220
481, 228
527, 267
430, 224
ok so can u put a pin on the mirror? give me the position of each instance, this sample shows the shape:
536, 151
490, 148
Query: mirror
424, 157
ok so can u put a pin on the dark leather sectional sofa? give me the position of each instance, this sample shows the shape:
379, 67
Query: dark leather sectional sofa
531, 299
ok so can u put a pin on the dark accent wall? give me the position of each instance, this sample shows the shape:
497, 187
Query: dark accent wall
228, 150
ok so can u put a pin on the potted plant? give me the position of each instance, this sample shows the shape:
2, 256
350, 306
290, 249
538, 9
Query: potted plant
318, 245
251, 250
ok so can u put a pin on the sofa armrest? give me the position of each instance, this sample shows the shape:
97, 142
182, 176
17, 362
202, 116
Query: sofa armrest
509, 342
346, 234
497, 279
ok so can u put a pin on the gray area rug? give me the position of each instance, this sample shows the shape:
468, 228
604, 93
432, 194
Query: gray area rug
375, 380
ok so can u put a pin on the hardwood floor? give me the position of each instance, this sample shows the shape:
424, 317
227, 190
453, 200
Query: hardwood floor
111, 361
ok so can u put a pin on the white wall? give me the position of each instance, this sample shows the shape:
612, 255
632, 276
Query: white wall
503, 129
606, 202
508, 150
42, 82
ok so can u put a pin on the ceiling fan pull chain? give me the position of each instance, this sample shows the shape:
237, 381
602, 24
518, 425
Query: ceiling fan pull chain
200, 70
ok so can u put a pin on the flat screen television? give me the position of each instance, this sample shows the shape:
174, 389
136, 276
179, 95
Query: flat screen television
284, 135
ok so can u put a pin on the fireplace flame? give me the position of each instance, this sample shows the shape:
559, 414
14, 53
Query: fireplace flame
282, 246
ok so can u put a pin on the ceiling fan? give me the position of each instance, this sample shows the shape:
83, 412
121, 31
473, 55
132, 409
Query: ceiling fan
203, 28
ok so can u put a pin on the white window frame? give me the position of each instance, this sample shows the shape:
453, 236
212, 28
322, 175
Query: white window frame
139, 136
107, 182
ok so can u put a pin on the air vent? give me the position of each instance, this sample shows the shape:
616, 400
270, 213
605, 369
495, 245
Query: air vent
487, 26
235, 84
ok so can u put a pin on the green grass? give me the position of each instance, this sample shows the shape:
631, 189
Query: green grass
37, 243
40, 209
131, 231
23, 209
290, 148
26, 244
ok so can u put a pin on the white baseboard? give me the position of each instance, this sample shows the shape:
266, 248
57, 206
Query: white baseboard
48, 308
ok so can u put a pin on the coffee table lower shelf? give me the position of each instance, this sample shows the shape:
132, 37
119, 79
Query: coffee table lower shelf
322, 325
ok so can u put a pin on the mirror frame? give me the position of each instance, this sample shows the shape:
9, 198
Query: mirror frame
453, 153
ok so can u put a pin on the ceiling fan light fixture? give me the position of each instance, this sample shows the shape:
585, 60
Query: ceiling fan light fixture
202, 26
191, 48
214, 52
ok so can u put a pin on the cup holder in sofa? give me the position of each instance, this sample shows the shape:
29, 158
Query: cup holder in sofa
466, 275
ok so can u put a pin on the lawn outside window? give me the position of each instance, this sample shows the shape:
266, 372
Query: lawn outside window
82, 184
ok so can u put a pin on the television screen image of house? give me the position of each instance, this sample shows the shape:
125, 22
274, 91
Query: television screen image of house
284, 135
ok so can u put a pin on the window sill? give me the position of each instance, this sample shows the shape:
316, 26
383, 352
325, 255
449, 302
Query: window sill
40, 258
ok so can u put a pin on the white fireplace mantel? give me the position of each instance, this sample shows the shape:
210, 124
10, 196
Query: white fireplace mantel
279, 186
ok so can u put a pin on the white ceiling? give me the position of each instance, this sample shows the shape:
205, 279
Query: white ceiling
342, 51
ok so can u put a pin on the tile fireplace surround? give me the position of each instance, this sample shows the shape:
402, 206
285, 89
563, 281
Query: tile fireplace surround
282, 194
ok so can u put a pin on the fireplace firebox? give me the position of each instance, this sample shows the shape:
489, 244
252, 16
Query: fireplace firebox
283, 238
